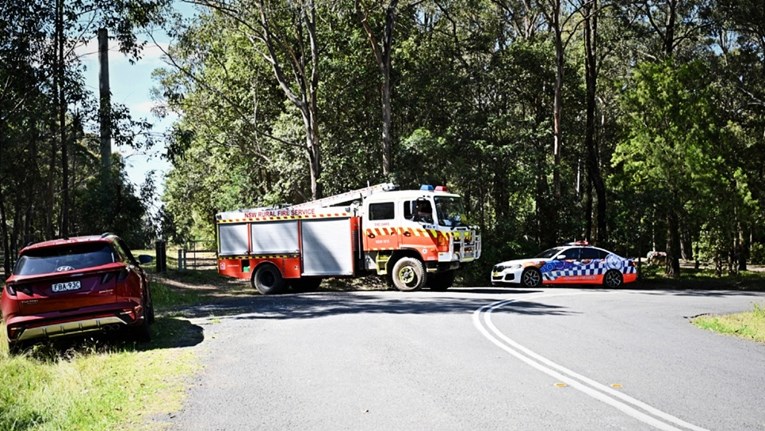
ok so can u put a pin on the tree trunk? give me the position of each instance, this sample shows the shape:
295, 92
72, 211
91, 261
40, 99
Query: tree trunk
743, 247
387, 127
673, 244
590, 139
3, 224
588, 212
382, 51
669, 37
686, 244
64, 228
7, 253
557, 110
305, 72
314, 157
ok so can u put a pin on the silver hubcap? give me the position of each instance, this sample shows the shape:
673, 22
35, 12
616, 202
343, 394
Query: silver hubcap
531, 278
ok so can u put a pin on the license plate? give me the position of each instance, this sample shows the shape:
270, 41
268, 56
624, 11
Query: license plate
66, 286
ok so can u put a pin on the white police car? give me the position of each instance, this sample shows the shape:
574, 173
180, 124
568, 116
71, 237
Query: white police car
575, 263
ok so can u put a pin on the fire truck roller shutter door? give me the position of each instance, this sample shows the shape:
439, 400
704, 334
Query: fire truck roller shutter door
275, 237
327, 247
232, 239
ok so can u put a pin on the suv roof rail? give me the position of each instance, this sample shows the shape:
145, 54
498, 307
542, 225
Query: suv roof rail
105, 234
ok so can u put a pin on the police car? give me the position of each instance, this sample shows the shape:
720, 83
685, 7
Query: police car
574, 263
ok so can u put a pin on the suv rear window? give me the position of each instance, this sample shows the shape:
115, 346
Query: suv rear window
65, 258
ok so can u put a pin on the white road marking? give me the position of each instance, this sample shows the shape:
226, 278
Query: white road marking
625, 403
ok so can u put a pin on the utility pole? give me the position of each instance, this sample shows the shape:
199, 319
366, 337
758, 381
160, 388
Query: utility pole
64, 231
105, 99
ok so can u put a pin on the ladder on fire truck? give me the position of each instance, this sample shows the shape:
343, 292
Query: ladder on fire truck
345, 197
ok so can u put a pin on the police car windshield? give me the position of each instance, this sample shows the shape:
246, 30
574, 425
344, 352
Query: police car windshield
549, 253
450, 211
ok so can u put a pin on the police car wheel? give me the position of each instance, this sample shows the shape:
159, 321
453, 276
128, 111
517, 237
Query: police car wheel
408, 274
531, 277
613, 279
267, 280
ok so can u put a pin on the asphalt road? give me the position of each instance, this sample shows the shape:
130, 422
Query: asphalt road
547, 359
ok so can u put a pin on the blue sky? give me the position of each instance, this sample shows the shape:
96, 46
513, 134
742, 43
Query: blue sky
131, 85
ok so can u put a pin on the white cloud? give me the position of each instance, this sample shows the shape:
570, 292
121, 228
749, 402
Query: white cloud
143, 109
151, 53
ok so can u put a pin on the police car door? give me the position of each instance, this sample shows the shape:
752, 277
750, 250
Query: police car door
573, 265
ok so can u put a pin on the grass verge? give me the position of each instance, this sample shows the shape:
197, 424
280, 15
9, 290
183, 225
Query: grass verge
749, 325
102, 382
652, 277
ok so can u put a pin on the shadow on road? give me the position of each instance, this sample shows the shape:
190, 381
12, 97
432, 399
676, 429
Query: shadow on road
323, 304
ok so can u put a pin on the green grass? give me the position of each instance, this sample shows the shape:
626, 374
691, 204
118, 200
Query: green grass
749, 325
653, 277
100, 383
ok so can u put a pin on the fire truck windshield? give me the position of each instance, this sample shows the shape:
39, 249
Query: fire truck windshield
450, 211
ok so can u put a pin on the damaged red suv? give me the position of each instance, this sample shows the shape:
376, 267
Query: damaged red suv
76, 285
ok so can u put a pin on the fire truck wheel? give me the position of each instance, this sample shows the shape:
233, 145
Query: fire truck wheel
441, 281
408, 274
268, 280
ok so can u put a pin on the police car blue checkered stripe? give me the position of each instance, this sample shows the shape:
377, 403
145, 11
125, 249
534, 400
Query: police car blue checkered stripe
593, 268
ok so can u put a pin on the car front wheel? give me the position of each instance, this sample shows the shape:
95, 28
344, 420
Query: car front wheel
531, 277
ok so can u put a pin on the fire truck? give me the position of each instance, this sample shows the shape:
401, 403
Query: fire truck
414, 238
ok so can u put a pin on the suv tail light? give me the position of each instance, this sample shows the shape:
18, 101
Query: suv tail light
106, 277
120, 275
13, 289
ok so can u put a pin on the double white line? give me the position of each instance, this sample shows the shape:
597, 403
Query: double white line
630, 406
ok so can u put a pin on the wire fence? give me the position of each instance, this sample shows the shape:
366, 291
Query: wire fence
195, 256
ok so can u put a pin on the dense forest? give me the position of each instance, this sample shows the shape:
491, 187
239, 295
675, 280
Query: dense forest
635, 124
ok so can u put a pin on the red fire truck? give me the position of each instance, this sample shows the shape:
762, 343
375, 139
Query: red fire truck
415, 238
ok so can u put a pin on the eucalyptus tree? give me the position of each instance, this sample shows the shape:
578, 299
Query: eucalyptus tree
738, 37
221, 147
285, 35
679, 149
591, 10
45, 107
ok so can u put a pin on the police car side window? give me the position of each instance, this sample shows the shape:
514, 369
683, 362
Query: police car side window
590, 253
572, 253
381, 211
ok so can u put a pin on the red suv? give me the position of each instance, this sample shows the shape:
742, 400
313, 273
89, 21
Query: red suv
76, 285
